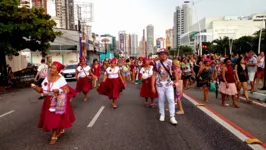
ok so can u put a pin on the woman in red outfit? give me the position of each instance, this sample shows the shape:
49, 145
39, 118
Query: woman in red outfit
113, 83
96, 69
55, 116
227, 86
146, 73
84, 79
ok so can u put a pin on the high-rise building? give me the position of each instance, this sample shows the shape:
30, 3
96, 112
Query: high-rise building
134, 44
40, 4
182, 22
150, 39
65, 13
169, 38
187, 17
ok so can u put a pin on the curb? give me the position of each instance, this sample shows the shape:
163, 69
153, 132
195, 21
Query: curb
256, 95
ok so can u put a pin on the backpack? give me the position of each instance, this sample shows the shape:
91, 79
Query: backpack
44, 72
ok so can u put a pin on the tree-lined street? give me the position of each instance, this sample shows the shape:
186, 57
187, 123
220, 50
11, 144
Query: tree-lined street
131, 126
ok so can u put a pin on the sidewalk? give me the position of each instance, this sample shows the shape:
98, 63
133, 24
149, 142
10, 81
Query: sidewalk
250, 117
259, 95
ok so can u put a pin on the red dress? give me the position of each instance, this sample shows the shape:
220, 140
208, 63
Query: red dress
83, 84
96, 70
146, 88
50, 120
112, 86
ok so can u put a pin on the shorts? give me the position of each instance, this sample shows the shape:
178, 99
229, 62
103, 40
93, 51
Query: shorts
251, 76
126, 74
39, 82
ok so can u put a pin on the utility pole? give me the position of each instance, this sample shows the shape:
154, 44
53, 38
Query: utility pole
79, 29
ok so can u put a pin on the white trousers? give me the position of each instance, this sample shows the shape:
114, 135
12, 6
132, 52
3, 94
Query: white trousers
166, 92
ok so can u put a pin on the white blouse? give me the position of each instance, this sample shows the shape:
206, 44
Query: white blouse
83, 72
112, 72
149, 71
49, 87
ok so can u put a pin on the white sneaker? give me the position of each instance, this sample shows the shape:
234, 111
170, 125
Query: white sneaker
162, 118
173, 120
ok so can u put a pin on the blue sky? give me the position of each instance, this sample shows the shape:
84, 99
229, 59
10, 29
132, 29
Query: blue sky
111, 16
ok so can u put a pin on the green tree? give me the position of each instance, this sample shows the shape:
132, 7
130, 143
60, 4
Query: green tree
255, 41
244, 44
221, 45
22, 28
184, 49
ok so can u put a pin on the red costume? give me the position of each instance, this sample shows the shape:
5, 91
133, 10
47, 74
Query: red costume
146, 88
113, 85
83, 84
50, 120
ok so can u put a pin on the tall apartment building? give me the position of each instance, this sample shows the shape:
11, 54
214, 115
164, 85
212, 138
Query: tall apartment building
182, 22
150, 39
169, 38
65, 13
134, 44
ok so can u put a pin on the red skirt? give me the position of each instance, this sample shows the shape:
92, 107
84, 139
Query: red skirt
111, 88
146, 89
83, 85
72, 93
49, 120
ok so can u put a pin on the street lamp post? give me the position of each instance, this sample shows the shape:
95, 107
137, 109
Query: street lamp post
200, 40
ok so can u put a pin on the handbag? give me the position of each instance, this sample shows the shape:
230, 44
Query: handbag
212, 87
171, 76
259, 68
89, 77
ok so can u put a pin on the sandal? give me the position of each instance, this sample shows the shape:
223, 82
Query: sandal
236, 106
114, 106
146, 104
60, 133
152, 105
53, 140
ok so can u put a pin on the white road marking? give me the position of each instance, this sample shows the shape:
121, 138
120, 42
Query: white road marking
258, 103
7, 113
237, 133
96, 117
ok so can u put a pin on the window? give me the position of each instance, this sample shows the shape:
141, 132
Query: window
71, 67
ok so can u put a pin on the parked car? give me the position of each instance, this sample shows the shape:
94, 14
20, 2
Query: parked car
69, 71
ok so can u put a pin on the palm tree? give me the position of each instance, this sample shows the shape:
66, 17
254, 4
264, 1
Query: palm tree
221, 45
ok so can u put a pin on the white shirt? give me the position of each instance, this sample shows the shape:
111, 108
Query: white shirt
112, 72
47, 88
83, 72
149, 71
261, 63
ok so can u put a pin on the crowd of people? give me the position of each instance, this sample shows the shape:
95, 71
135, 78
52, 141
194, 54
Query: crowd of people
162, 77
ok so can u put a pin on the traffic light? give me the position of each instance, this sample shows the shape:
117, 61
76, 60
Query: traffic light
204, 46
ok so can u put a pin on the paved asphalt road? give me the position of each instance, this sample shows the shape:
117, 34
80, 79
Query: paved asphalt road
130, 127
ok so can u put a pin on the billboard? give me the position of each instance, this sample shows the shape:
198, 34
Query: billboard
106, 40
121, 41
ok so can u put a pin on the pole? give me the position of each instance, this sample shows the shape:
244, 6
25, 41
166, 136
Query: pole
200, 40
259, 41
264, 84
80, 34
